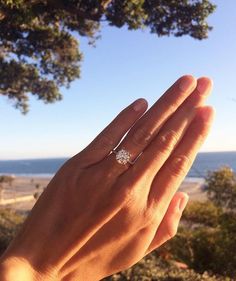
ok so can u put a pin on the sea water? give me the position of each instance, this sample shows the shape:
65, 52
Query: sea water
47, 167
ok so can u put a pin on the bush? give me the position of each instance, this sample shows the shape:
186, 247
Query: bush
205, 213
221, 188
10, 222
210, 243
207, 249
155, 268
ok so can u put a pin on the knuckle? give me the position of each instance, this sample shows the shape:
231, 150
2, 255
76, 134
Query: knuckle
202, 137
179, 165
168, 140
141, 136
106, 140
124, 192
169, 106
128, 195
172, 107
148, 215
171, 231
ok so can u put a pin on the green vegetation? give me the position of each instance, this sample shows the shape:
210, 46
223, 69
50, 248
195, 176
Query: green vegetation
155, 268
36, 195
221, 188
10, 222
4, 179
207, 241
39, 51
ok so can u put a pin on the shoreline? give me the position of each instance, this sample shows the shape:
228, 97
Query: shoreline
19, 195
49, 176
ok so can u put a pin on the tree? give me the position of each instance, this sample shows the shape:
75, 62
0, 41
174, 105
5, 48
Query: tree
221, 188
4, 179
39, 52
10, 223
7, 179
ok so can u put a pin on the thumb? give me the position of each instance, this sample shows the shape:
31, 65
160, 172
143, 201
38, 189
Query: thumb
169, 225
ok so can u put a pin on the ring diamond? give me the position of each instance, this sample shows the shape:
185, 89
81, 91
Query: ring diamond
123, 156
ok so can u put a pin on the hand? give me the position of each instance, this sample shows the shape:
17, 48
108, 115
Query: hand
97, 217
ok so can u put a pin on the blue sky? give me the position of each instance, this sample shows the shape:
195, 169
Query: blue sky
125, 66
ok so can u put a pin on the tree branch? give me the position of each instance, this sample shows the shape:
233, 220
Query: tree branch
94, 17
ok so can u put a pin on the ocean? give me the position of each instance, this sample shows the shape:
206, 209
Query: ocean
47, 167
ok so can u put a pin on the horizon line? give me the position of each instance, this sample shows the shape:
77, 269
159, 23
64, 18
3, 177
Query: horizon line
68, 157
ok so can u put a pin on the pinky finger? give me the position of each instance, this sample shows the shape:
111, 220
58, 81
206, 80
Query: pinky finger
169, 225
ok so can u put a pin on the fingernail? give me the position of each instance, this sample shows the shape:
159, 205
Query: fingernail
139, 104
204, 86
183, 202
186, 83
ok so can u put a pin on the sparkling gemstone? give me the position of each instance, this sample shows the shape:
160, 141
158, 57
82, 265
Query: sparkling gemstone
123, 156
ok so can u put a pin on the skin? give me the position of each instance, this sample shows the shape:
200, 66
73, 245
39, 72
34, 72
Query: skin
97, 217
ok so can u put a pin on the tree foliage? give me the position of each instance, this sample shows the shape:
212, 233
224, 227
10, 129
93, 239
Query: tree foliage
208, 231
202, 213
10, 223
39, 52
221, 187
5, 179
208, 249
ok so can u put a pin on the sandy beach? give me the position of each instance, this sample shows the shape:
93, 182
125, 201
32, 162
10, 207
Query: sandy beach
20, 194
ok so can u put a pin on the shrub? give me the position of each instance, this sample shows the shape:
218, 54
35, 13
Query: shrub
205, 213
10, 222
221, 188
155, 268
207, 249
210, 244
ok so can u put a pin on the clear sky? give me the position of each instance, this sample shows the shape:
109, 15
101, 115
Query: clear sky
125, 66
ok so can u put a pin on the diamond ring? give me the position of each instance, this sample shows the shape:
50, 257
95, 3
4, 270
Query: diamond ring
123, 156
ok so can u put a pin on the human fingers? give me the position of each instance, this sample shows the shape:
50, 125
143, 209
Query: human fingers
145, 130
112, 134
169, 225
172, 173
154, 156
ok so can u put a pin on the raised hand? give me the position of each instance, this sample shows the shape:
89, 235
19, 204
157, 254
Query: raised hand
102, 212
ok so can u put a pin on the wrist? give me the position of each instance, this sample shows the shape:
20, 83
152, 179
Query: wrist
18, 269
19, 264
